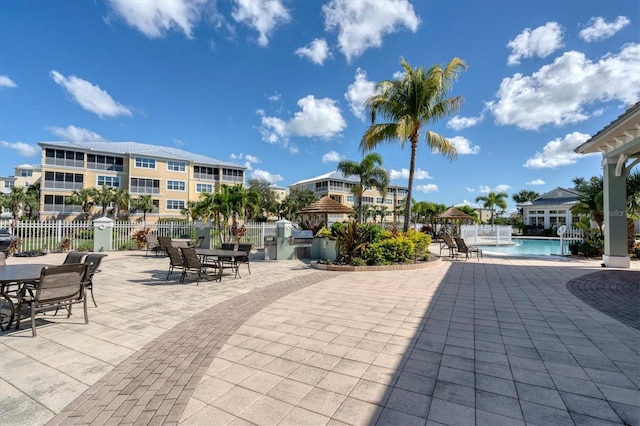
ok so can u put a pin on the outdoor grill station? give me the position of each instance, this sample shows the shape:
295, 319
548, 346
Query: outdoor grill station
288, 243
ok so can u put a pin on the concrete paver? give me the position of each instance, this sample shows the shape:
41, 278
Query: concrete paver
501, 341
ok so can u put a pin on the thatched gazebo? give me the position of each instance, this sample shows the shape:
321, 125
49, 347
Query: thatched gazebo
455, 217
324, 207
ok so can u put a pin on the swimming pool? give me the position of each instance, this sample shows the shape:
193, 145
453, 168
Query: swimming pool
524, 246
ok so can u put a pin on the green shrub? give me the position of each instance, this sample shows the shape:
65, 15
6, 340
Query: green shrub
85, 247
357, 261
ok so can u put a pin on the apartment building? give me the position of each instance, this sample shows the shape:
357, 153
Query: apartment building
170, 175
339, 187
26, 175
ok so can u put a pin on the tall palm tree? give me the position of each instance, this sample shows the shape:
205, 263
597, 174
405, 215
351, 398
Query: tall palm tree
104, 196
120, 199
370, 174
591, 201
417, 99
491, 200
15, 202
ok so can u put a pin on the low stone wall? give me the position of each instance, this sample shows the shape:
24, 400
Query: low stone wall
434, 261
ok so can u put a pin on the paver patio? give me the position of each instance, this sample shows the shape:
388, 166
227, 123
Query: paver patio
501, 341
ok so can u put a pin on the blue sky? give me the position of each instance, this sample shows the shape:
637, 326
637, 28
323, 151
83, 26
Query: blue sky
279, 85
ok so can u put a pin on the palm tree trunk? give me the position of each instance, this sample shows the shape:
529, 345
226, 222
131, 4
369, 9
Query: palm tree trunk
412, 167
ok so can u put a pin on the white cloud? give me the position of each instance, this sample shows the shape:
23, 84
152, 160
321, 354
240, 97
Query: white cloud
264, 16
598, 29
90, 97
418, 174
427, 188
332, 157
155, 18
468, 203
470, 189
7, 82
248, 159
459, 123
558, 93
536, 182
265, 175
317, 118
558, 152
540, 42
358, 92
317, 51
362, 24
76, 134
23, 149
498, 188
464, 146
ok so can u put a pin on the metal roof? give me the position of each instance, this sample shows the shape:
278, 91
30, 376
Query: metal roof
136, 148
331, 175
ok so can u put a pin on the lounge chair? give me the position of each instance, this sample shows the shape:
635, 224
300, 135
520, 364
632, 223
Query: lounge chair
59, 286
74, 257
467, 250
164, 242
448, 244
93, 260
198, 243
152, 244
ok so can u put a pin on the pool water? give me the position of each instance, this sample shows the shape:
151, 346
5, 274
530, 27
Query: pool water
523, 246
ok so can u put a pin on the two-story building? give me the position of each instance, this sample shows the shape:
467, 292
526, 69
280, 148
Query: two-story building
339, 187
170, 175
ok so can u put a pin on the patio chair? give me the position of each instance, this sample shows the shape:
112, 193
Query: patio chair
198, 243
152, 244
191, 263
74, 257
227, 261
59, 286
448, 244
467, 250
244, 247
93, 260
164, 242
175, 260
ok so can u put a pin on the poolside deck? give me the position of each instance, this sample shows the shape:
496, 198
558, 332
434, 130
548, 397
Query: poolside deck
500, 341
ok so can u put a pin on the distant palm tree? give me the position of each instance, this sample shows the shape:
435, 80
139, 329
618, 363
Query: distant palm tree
370, 174
82, 197
491, 200
591, 201
15, 202
103, 196
415, 100
145, 204
120, 199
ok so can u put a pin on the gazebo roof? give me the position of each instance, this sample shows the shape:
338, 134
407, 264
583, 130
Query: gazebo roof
453, 213
326, 205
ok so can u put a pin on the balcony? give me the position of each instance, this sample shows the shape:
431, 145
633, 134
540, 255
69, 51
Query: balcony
205, 176
104, 166
62, 208
143, 190
70, 186
64, 162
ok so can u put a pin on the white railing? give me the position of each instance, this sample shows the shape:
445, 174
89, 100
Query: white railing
57, 235
570, 235
486, 234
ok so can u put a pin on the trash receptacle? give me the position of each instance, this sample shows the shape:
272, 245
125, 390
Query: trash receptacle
270, 247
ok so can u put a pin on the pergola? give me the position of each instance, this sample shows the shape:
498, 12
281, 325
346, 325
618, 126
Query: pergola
619, 143
456, 216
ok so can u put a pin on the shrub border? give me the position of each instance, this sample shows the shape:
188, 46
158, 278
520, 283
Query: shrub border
435, 261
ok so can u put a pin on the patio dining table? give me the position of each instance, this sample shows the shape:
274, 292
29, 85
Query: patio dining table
14, 275
219, 254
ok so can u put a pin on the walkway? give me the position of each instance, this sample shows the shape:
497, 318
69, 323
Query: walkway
501, 341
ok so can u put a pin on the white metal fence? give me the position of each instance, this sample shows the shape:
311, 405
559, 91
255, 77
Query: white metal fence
60, 235
570, 235
486, 234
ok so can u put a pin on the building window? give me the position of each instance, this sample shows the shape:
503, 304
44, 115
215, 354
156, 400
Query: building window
232, 175
145, 163
105, 162
8, 184
175, 204
112, 181
351, 199
367, 200
176, 166
176, 185
379, 200
204, 187
58, 204
60, 157
26, 184
388, 201
144, 186
205, 173
26, 173
60, 180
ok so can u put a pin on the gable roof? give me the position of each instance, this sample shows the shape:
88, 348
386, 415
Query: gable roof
546, 200
331, 175
136, 148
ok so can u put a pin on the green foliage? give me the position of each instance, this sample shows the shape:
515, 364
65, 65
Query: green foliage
421, 243
397, 249
85, 234
358, 261
371, 232
350, 243
88, 246
324, 233
583, 249
140, 237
